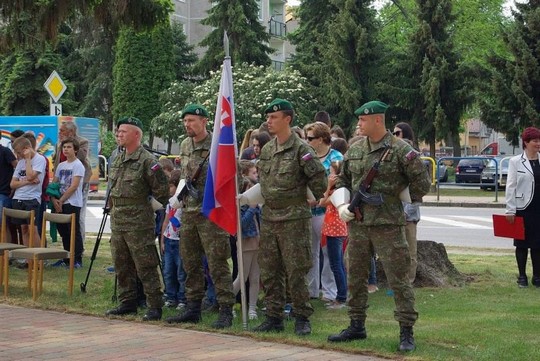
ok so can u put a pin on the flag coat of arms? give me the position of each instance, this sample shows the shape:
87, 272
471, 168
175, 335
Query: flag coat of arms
219, 200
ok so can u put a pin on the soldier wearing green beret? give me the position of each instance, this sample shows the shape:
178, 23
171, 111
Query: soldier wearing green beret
287, 166
382, 228
135, 176
199, 235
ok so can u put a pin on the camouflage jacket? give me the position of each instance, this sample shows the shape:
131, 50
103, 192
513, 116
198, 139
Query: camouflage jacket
285, 172
134, 178
401, 168
192, 155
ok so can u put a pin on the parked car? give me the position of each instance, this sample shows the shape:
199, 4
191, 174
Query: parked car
469, 170
442, 172
488, 174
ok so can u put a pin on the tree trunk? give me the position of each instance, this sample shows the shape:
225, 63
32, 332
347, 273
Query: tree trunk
434, 268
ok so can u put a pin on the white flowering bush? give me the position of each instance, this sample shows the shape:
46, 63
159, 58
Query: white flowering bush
254, 88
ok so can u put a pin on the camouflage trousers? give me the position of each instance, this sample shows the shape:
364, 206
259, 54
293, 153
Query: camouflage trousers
202, 237
134, 254
391, 246
285, 260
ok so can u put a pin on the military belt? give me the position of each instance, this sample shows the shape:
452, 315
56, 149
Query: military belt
285, 202
128, 201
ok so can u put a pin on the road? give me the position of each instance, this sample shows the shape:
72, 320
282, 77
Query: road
452, 226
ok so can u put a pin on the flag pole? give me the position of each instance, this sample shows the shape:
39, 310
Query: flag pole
239, 248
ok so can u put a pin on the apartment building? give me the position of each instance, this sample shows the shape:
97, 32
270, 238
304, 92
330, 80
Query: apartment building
272, 15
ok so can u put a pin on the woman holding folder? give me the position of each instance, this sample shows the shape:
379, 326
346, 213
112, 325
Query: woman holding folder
523, 200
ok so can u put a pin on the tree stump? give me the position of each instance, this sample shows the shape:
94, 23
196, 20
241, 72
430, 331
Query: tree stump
434, 268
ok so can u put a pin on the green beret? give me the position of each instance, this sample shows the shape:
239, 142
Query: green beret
195, 109
278, 105
131, 121
372, 107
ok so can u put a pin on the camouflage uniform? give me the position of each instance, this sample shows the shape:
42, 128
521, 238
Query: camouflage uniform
382, 227
285, 172
199, 235
135, 177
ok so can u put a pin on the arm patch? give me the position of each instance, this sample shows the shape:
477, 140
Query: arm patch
155, 167
411, 155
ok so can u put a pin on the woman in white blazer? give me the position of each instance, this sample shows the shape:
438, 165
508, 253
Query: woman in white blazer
523, 200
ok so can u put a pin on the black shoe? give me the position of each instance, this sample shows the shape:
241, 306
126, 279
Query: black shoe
406, 338
122, 309
270, 324
356, 331
302, 327
536, 281
192, 314
522, 282
225, 317
153, 314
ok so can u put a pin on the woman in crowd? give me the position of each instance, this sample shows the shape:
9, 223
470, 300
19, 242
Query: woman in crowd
523, 200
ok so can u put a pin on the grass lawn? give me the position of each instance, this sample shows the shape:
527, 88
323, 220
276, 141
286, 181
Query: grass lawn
488, 319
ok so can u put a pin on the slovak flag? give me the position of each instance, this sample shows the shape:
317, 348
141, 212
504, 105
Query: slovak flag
219, 201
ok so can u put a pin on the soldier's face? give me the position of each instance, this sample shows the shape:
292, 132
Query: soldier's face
126, 135
194, 125
367, 124
277, 122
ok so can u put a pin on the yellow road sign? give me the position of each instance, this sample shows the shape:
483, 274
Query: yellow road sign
55, 86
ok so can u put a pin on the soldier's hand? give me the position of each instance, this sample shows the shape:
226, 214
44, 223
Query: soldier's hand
344, 213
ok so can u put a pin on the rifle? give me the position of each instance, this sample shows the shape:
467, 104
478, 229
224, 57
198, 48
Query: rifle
363, 195
189, 186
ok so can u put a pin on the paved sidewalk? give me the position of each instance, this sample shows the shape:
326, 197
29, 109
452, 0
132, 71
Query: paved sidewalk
32, 334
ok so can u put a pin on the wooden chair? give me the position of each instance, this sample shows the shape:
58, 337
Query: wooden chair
5, 247
37, 255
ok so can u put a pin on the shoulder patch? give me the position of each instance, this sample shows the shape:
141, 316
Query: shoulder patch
411, 155
155, 167
307, 157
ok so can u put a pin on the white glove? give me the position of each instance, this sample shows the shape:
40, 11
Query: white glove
175, 203
344, 213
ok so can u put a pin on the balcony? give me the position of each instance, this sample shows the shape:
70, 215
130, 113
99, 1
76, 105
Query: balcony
277, 28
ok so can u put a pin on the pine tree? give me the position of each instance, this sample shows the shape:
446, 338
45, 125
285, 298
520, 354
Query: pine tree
248, 39
143, 68
184, 57
512, 96
350, 56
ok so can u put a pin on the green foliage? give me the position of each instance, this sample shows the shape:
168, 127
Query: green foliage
247, 37
184, 57
21, 84
143, 68
254, 88
349, 57
512, 94
108, 142
47, 15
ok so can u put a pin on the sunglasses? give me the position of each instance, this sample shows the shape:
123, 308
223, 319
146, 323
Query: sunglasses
311, 138
397, 133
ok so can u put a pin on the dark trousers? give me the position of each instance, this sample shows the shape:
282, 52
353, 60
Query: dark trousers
65, 231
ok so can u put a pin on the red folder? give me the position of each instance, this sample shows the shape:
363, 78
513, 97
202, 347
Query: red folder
501, 227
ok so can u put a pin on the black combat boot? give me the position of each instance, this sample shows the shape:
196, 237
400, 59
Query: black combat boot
356, 331
122, 309
270, 324
406, 338
523, 282
191, 314
225, 317
153, 314
302, 327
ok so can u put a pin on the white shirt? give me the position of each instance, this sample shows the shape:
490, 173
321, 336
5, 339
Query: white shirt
65, 172
30, 191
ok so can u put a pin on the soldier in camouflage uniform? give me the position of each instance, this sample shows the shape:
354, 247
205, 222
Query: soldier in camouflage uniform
382, 228
135, 176
199, 235
287, 166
